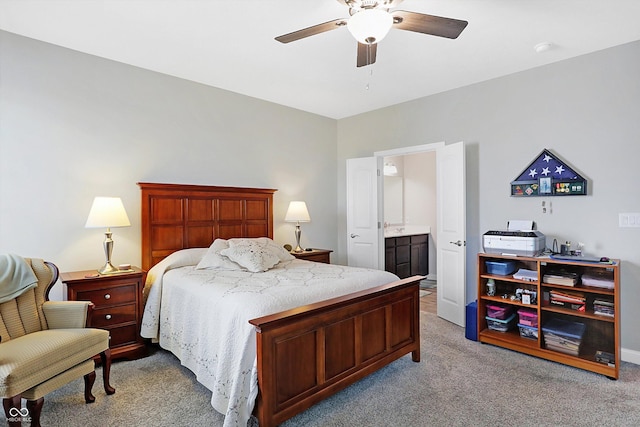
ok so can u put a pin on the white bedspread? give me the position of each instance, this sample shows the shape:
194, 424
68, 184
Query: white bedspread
202, 316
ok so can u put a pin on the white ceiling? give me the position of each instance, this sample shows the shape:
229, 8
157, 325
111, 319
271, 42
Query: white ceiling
230, 44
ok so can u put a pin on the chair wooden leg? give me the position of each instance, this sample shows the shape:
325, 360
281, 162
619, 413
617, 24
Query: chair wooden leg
89, 379
105, 357
35, 409
9, 403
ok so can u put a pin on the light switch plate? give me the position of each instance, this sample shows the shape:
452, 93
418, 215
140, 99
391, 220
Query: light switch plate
628, 220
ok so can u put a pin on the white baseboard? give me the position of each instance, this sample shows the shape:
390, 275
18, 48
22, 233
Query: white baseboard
631, 356
432, 277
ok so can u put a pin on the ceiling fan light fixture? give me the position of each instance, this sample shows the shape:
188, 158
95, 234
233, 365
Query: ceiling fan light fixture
369, 26
390, 169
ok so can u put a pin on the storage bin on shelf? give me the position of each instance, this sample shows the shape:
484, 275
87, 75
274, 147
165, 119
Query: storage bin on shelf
499, 311
563, 335
501, 268
501, 325
528, 317
528, 331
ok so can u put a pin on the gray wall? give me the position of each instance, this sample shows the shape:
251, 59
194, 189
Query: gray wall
73, 126
586, 110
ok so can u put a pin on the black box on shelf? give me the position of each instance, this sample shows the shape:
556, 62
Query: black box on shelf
605, 357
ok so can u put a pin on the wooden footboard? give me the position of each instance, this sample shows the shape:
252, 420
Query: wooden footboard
309, 353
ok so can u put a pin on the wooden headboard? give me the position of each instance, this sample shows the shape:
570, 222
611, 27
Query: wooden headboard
176, 216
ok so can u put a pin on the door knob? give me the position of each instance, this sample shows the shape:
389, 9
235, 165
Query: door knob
458, 243
353, 236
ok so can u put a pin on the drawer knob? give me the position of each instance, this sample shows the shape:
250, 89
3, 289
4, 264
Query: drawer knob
107, 296
108, 317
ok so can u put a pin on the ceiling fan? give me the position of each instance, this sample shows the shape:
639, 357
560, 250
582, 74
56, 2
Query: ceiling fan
371, 20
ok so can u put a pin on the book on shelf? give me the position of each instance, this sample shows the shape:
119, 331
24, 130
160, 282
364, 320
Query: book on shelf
526, 275
569, 305
567, 296
603, 313
562, 349
603, 307
560, 278
571, 300
605, 357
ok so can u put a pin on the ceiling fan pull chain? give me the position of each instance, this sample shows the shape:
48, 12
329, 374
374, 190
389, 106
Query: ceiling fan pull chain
370, 67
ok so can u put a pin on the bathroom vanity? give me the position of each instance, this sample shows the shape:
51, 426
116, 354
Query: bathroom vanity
407, 250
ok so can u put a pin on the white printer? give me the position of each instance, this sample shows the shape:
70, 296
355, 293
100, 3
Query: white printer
518, 239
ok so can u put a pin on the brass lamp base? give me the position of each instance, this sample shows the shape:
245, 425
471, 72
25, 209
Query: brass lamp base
298, 248
108, 268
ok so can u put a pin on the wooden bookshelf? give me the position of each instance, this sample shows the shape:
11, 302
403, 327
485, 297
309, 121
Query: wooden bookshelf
602, 332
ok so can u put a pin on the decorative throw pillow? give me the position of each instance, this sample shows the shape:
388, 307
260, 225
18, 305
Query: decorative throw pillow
281, 252
253, 255
213, 260
268, 245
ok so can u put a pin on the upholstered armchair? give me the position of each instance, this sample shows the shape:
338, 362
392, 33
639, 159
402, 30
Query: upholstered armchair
44, 344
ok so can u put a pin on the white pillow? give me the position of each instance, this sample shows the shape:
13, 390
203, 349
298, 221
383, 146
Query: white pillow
213, 260
252, 255
268, 245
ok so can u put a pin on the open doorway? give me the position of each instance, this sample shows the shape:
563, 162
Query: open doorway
450, 241
365, 232
409, 199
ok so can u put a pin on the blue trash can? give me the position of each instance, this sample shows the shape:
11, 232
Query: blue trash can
471, 324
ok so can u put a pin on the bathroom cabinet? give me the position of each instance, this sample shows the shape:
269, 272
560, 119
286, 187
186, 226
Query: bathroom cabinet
407, 256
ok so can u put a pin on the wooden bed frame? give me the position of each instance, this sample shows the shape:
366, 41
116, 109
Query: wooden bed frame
306, 354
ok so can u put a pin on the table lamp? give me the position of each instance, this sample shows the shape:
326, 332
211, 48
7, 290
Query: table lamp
107, 212
297, 213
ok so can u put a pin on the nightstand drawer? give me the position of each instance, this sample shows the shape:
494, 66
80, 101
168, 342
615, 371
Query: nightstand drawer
109, 296
113, 315
123, 335
317, 258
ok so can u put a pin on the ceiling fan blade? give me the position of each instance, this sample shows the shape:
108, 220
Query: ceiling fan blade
312, 31
428, 24
366, 54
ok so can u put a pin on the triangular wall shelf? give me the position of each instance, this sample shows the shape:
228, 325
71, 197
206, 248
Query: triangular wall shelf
547, 176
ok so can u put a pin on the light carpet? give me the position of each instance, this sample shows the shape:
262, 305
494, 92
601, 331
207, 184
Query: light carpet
457, 383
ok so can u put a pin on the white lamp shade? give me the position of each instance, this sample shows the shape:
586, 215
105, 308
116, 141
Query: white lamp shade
369, 26
107, 212
297, 212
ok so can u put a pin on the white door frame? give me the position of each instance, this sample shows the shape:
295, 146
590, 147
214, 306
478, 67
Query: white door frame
454, 310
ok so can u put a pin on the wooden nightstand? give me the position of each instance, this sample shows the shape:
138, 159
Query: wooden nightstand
118, 306
317, 255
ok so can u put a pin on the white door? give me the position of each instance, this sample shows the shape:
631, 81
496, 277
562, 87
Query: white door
451, 213
362, 213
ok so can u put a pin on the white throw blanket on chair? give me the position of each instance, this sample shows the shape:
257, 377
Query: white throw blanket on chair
16, 277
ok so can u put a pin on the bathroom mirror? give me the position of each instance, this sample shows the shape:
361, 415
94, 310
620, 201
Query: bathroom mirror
393, 200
